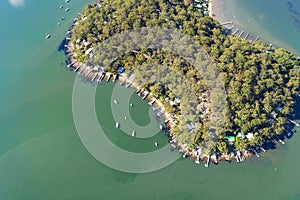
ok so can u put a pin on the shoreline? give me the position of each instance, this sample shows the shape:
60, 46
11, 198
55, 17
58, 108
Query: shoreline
216, 11
90, 75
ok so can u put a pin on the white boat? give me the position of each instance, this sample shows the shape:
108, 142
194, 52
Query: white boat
117, 124
61, 7
116, 102
48, 36
160, 127
133, 133
67, 1
156, 144
67, 9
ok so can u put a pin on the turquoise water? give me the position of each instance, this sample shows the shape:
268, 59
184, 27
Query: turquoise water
42, 157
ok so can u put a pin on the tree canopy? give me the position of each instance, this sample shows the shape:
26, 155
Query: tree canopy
261, 82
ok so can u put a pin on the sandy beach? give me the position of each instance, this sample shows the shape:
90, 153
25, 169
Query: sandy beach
216, 10
210, 12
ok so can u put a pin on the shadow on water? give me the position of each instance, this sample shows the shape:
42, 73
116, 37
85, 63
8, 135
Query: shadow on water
61, 46
270, 145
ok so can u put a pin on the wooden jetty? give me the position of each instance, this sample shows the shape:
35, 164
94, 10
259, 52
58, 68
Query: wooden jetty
257, 38
245, 38
214, 157
115, 78
197, 161
185, 154
101, 77
156, 108
225, 23
128, 84
108, 78
241, 34
152, 102
72, 63
235, 32
77, 68
100, 73
145, 95
293, 122
207, 162
140, 92
82, 69
124, 80
88, 73
161, 112
94, 77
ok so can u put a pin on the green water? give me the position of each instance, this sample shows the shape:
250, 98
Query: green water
41, 156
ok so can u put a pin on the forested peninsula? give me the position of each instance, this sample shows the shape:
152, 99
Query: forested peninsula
261, 82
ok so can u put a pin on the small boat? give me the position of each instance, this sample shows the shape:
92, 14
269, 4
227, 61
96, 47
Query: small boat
67, 9
160, 127
133, 133
156, 144
48, 36
131, 104
63, 18
67, 1
61, 7
116, 102
117, 125
125, 117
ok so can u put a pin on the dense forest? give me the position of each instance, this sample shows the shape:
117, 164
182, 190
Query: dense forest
261, 82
